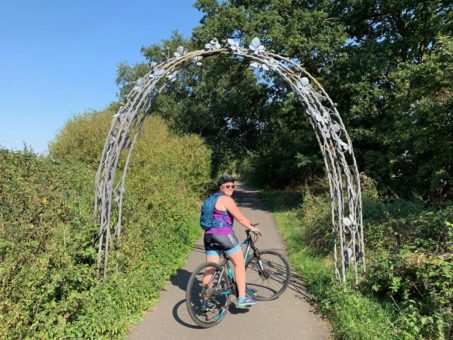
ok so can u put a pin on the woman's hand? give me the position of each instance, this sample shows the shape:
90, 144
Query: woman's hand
255, 230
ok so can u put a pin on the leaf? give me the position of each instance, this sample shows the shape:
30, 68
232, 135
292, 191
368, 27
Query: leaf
197, 60
336, 127
256, 46
347, 222
304, 81
255, 43
213, 44
180, 51
233, 45
172, 76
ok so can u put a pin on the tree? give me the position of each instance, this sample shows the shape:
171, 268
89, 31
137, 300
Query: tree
386, 64
221, 101
369, 55
391, 66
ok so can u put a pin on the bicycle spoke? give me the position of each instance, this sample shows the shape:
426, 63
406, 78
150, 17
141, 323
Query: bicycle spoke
207, 302
268, 280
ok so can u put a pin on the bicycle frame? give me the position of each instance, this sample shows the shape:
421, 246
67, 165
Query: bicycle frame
249, 244
217, 282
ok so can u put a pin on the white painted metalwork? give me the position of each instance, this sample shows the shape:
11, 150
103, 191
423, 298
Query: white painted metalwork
333, 139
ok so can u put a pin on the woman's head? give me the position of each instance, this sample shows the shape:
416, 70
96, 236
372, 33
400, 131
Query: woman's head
226, 184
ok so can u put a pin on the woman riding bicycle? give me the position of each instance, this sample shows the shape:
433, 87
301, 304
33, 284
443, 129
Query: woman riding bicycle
222, 238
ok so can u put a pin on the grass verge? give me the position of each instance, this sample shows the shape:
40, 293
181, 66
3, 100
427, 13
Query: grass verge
351, 314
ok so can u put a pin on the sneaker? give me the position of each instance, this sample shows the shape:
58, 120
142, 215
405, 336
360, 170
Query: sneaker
246, 301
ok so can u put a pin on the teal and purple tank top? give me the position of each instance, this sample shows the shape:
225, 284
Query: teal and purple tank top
226, 218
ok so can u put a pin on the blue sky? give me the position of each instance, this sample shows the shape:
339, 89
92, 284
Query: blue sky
58, 58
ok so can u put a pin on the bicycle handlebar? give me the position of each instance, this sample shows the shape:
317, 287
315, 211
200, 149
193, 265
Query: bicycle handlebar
248, 231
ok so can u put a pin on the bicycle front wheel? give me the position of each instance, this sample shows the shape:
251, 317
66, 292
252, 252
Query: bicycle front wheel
268, 275
208, 294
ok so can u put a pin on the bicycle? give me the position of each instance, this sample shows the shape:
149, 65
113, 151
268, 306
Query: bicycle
267, 273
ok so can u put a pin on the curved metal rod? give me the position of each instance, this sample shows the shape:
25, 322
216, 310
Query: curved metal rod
333, 139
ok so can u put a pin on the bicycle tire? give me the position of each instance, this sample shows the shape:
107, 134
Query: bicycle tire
272, 281
217, 300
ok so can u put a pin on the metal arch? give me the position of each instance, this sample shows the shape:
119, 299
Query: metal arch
333, 139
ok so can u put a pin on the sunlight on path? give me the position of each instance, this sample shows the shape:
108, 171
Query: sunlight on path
289, 317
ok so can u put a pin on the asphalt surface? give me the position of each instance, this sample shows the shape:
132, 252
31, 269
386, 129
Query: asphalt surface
289, 317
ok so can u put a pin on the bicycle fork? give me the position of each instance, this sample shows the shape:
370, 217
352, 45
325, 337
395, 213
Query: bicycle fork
262, 270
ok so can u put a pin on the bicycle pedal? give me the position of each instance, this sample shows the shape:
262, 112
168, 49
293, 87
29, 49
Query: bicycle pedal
207, 306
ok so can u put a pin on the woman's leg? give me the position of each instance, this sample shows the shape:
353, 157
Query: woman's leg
209, 271
239, 271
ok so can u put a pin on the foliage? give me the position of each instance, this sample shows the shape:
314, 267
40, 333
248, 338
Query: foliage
410, 264
49, 287
46, 256
298, 29
422, 137
407, 291
231, 122
82, 137
386, 63
352, 315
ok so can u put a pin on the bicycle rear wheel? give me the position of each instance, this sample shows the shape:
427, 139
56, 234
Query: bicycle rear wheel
268, 275
207, 303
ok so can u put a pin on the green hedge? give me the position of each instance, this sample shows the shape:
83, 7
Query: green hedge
407, 292
48, 282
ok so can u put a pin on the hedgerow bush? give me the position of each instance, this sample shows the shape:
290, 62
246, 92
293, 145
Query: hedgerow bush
82, 137
48, 282
46, 256
410, 264
407, 291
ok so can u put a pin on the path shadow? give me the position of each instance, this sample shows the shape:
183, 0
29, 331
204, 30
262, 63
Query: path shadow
296, 284
198, 248
248, 199
181, 304
235, 310
178, 319
181, 279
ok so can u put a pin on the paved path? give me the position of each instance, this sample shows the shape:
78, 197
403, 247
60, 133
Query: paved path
289, 317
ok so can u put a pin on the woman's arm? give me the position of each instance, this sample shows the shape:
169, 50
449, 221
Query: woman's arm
233, 209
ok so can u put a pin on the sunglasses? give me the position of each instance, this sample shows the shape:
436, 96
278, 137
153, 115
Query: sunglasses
229, 186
